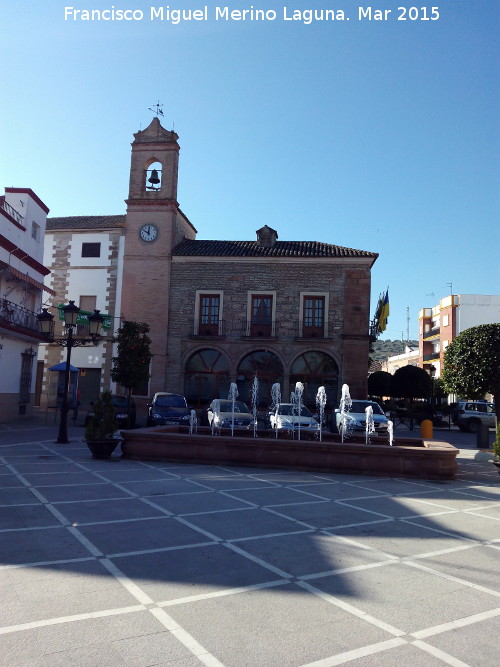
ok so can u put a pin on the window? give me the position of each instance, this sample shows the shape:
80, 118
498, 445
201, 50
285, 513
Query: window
91, 249
209, 312
35, 230
446, 320
261, 323
313, 323
87, 304
26, 373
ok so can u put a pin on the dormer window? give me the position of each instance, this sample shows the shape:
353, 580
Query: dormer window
266, 237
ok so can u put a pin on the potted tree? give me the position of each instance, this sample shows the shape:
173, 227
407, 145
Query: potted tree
131, 365
101, 428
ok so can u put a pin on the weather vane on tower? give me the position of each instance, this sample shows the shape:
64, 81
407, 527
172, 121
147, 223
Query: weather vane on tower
157, 109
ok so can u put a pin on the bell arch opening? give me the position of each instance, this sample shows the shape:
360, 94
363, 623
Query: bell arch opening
153, 176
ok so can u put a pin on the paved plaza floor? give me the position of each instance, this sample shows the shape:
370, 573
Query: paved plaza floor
138, 563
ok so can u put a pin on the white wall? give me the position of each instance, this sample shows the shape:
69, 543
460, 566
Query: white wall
477, 309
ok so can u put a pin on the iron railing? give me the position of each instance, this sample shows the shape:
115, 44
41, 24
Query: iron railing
252, 329
208, 329
431, 332
17, 316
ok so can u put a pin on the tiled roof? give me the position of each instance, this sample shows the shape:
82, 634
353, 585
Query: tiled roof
86, 222
279, 249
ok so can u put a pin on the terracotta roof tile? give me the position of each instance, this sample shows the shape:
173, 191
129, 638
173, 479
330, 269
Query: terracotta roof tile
252, 249
85, 222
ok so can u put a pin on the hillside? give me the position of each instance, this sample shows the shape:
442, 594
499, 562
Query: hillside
381, 349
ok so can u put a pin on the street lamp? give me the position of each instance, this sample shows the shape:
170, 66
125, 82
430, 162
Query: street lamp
46, 323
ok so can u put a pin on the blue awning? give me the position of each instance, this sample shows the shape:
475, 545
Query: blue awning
62, 367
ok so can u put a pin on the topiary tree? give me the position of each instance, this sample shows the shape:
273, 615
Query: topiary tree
472, 364
131, 365
380, 384
411, 382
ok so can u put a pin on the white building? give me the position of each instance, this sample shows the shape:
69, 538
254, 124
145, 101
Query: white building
407, 358
22, 228
85, 254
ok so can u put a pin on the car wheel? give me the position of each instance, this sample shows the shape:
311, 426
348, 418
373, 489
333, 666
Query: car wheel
474, 425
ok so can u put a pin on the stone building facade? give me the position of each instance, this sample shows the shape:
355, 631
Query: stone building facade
288, 312
221, 311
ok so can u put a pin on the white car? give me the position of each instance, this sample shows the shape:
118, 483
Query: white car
356, 417
286, 417
469, 415
223, 417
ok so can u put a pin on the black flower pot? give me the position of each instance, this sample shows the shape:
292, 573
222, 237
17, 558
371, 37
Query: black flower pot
102, 449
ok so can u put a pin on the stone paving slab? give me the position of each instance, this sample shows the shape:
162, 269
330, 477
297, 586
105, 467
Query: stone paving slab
142, 564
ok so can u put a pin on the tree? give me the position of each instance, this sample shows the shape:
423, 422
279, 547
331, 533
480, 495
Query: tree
472, 364
411, 382
131, 365
380, 384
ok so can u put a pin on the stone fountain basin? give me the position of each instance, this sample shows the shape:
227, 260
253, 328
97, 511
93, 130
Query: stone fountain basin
408, 457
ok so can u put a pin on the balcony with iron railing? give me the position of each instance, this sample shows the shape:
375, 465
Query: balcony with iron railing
251, 329
308, 331
215, 329
11, 211
432, 333
434, 356
15, 318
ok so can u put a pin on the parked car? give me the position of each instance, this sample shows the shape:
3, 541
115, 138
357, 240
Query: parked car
469, 415
120, 404
243, 418
166, 408
356, 417
287, 418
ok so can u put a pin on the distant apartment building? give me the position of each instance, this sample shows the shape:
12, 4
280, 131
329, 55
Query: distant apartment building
22, 228
407, 358
439, 325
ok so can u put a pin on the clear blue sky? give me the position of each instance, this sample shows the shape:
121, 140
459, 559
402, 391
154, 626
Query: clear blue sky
375, 135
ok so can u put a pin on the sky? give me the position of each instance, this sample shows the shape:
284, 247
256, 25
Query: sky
375, 135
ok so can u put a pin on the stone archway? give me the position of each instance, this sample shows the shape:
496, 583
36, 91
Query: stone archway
206, 376
315, 369
269, 369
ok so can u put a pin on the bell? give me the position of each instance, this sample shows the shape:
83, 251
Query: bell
153, 179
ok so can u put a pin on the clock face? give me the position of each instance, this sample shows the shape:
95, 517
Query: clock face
148, 232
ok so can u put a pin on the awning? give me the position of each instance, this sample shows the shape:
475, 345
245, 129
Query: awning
62, 367
30, 280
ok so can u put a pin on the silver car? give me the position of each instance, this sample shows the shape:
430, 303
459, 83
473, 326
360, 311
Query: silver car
286, 417
356, 417
223, 416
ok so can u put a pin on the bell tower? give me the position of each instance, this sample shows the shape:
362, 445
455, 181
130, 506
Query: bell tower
154, 225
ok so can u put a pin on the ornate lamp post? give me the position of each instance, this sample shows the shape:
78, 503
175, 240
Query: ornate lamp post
46, 323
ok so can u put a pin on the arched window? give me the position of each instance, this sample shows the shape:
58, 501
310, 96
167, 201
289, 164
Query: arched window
315, 369
269, 370
206, 377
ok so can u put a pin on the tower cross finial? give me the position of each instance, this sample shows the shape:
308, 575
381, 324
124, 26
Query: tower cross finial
157, 109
